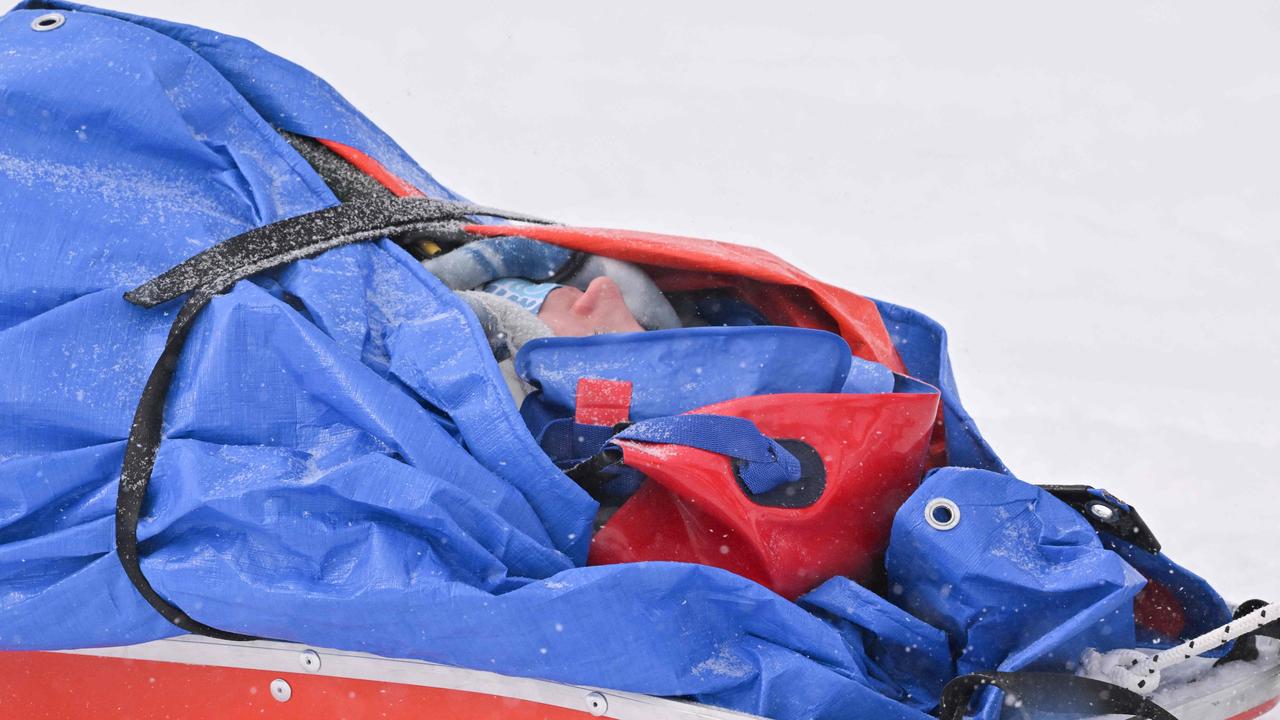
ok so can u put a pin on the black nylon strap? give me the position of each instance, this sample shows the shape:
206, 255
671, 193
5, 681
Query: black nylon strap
280, 243
214, 271
1107, 514
345, 180
139, 460
1041, 693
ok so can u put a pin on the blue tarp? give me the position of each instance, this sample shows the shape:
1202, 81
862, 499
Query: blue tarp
347, 469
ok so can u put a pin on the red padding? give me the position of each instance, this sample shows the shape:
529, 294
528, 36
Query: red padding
1158, 609
372, 168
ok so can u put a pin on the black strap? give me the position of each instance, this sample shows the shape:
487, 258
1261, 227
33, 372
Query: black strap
280, 243
1107, 514
347, 182
216, 270
591, 474
1041, 693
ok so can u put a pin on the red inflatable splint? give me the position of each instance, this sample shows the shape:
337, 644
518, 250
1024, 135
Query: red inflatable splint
866, 453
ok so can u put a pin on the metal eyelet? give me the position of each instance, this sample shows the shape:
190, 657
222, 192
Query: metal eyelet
281, 690
597, 704
1102, 511
942, 514
48, 21
310, 660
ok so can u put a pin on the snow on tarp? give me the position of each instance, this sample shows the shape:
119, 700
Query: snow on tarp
342, 464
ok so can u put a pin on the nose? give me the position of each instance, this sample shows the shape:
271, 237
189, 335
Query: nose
602, 294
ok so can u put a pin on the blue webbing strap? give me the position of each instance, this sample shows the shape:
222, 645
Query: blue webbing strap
766, 464
568, 443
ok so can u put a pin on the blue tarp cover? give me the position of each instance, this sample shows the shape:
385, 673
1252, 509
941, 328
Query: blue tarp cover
347, 469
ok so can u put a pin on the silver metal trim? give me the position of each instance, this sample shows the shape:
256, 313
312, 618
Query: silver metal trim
597, 704
310, 660
278, 657
1102, 511
1188, 692
48, 21
943, 504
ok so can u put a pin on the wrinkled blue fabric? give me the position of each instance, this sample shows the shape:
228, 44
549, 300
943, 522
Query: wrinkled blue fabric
342, 464
906, 659
922, 345
1047, 589
1022, 582
345, 469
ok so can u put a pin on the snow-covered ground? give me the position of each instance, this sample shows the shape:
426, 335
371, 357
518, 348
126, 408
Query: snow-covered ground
1085, 195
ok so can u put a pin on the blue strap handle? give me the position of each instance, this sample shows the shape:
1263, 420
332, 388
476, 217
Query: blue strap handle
766, 464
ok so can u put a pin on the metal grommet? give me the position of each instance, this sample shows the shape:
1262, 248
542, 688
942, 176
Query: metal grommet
48, 21
1102, 511
597, 704
280, 690
942, 514
310, 660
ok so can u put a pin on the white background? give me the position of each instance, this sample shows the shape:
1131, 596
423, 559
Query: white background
1085, 195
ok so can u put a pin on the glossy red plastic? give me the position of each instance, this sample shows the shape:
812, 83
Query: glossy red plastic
873, 448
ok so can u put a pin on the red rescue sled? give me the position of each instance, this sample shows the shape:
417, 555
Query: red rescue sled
197, 678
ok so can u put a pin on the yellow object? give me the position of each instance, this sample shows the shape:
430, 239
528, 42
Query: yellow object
429, 248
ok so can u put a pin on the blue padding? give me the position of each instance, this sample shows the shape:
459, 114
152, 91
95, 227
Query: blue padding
674, 371
766, 463
1021, 582
868, 378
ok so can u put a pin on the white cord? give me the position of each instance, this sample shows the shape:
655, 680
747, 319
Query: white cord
1140, 672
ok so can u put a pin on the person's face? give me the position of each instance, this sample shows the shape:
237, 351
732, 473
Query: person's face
601, 309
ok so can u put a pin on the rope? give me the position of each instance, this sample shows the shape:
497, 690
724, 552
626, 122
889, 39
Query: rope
1140, 672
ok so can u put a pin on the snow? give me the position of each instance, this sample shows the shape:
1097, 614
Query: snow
1085, 198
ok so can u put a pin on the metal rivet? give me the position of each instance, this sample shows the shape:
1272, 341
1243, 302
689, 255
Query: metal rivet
942, 514
280, 690
48, 21
310, 660
597, 704
1101, 511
